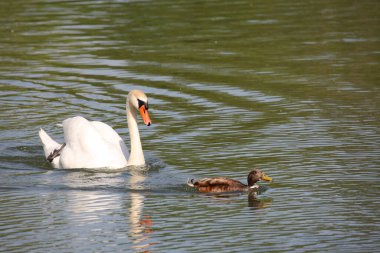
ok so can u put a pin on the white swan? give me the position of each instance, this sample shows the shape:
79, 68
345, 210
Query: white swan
93, 144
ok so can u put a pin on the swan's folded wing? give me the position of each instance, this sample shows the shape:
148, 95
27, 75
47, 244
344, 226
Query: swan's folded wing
111, 136
91, 145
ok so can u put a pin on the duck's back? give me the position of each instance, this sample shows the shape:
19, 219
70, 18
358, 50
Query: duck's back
218, 184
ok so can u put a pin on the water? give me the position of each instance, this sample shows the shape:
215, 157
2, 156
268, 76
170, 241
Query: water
290, 87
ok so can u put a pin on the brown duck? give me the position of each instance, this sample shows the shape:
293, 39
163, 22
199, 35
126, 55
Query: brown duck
223, 184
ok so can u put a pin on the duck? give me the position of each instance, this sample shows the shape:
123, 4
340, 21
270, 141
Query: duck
94, 144
223, 184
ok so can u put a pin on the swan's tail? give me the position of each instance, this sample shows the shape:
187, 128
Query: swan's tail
50, 146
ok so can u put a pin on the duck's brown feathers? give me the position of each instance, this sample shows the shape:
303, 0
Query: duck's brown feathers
223, 184
218, 184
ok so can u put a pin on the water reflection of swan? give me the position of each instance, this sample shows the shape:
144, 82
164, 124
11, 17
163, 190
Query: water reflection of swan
140, 226
89, 208
93, 144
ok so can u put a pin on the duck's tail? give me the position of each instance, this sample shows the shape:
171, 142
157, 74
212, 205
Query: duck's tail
50, 147
191, 182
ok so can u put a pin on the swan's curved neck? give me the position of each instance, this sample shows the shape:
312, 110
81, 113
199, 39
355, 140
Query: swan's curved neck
136, 156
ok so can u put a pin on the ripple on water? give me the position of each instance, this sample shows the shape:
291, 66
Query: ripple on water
300, 104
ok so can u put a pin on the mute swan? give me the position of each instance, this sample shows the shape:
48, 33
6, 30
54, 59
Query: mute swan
94, 144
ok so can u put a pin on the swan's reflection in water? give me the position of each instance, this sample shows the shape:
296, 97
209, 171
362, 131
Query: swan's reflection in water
93, 198
140, 226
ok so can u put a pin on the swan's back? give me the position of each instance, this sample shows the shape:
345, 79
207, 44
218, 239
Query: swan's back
91, 145
111, 136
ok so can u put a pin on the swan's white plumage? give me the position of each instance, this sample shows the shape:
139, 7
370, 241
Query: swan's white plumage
94, 144
49, 145
91, 145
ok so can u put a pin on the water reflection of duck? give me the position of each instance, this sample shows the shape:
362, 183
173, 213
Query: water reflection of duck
256, 203
222, 184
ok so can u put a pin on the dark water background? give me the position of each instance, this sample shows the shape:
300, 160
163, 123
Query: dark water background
291, 87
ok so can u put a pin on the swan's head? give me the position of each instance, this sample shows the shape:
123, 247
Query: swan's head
139, 101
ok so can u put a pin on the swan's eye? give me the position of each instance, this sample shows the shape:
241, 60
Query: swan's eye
141, 103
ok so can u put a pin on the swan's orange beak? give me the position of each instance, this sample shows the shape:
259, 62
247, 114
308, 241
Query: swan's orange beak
145, 115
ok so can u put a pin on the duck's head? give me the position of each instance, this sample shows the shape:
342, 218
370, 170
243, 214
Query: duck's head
257, 175
138, 101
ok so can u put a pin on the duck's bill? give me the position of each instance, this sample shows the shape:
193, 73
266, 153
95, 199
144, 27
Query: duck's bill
145, 116
266, 178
